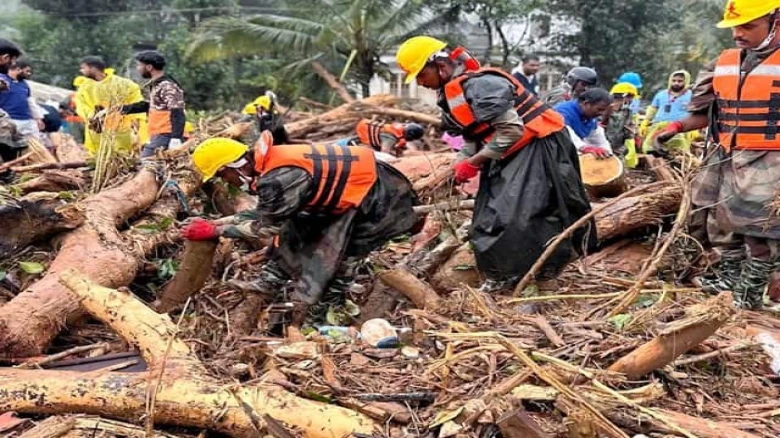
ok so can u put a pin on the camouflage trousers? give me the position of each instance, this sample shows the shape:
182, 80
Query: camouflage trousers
732, 195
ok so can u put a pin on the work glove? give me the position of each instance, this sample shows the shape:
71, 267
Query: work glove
600, 153
465, 171
668, 132
174, 143
200, 229
643, 127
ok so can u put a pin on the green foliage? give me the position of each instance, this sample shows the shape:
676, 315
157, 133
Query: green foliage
166, 268
31, 267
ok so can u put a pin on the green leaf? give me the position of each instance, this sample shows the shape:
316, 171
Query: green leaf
317, 397
167, 269
31, 267
646, 300
351, 308
165, 223
2, 275
463, 268
620, 321
148, 228
67, 196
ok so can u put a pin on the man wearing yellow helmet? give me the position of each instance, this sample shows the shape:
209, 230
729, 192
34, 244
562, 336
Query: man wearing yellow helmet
326, 203
737, 98
264, 113
530, 187
620, 124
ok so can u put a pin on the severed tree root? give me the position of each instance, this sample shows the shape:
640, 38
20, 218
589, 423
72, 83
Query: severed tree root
193, 272
183, 393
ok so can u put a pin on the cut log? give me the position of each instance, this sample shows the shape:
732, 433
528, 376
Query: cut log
603, 178
194, 270
9, 164
185, 395
416, 290
29, 220
637, 212
30, 321
677, 339
66, 149
344, 115
52, 427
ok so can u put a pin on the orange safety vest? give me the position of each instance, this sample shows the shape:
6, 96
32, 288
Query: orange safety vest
539, 119
370, 133
343, 175
749, 106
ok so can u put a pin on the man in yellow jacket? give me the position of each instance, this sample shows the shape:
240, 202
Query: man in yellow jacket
99, 101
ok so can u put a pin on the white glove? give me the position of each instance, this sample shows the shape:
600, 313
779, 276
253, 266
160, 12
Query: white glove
174, 143
100, 114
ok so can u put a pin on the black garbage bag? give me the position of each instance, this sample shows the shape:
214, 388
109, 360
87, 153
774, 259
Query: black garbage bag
524, 201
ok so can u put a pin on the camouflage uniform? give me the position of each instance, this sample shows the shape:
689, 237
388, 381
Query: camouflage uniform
619, 129
731, 195
11, 142
312, 247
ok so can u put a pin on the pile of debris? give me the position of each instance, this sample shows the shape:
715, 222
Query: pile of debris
111, 325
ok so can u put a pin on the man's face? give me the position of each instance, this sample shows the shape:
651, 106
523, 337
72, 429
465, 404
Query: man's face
144, 70
24, 73
678, 83
531, 67
751, 35
593, 110
429, 77
88, 71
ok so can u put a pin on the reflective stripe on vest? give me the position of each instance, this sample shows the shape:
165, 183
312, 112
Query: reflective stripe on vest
749, 105
370, 133
539, 119
342, 175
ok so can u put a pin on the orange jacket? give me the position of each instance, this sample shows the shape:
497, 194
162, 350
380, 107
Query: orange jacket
342, 175
369, 133
539, 119
748, 108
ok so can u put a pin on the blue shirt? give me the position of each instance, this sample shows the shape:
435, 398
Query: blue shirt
573, 118
671, 108
14, 100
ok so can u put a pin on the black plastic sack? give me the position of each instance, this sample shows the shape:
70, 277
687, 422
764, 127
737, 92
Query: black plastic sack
523, 202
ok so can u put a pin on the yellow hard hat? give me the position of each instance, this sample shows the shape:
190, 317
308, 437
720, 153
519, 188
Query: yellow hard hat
739, 12
624, 88
262, 101
415, 52
215, 153
188, 127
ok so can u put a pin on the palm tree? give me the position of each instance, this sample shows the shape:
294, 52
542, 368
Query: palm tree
347, 36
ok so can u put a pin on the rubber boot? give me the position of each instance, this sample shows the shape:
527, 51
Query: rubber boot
724, 275
269, 283
749, 291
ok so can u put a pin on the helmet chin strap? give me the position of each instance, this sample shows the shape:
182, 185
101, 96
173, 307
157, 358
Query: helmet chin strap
772, 32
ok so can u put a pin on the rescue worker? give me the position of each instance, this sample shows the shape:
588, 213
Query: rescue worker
165, 105
328, 203
634, 79
582, 121
390, 138
736, 97
526, 73
265, 114
99, 101
668, 106
576, 82
18, 102
621, 124
530, 187
10, 139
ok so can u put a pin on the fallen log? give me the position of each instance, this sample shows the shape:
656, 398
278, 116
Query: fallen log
194, 270
29, 220
338, 115
66, 149
9, 164
603, 178
176, 388
52, 427
416, 290
406, 115
660, 168
45, 166
635, 212
54, 181
677, 339
31, 320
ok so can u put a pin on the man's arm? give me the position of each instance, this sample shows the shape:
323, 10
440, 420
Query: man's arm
136, 108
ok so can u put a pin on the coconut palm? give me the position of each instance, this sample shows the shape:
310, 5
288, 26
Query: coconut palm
348, 36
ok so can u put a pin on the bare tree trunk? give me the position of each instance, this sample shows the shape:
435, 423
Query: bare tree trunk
332, 81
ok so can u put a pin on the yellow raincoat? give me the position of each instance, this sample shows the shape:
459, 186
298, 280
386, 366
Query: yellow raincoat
649, 130
111, 93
